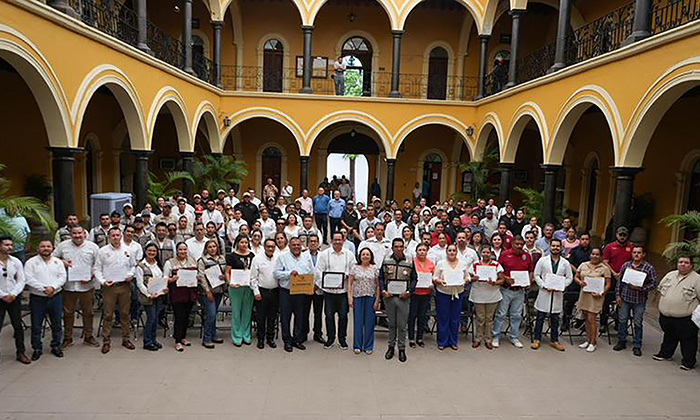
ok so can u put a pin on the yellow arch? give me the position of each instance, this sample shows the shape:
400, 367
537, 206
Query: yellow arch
432, 119
35, 70
475, 8
571, 112
207, 111
392, 10
488, 123
171, 98
126, 95
353, 116
218, 10
269, 113
660, 96
517, 125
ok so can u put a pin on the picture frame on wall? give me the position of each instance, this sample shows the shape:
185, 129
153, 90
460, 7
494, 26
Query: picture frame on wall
166, 164
520, 176
320, 67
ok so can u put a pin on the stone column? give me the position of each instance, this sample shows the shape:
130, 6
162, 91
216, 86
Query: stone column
396, 64
562, 36
516, 15
65, 7
141, 178
187, 35
506, 177
624, 191
143, 26
390, 163
484, 41
187, 162
308, 59
303, 173
63, 174
550, 192
641, 28
216, 25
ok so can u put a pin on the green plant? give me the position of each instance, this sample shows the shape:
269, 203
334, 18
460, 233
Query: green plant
533, 201
39, 187
353, 83
29, 207
218, 173
690, 222
165, 187
481, 171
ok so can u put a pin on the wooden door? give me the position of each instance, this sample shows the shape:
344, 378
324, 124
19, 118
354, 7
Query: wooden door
272, 166
273, 63
432, 177
437, 74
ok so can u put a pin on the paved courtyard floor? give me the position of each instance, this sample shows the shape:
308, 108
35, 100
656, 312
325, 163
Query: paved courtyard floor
246, 383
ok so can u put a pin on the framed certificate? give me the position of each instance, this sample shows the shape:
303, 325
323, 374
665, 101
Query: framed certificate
240, 277
397, 287
555, 282
332, 280
186, 277
302, 284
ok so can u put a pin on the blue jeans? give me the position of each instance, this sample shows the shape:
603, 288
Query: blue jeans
210, 310
511, 305
553, 324
448, 311
135, 304
363, 323
40, 307
149, 330
637, 312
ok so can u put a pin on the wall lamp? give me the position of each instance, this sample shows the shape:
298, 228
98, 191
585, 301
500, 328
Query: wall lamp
470, 131
227, 122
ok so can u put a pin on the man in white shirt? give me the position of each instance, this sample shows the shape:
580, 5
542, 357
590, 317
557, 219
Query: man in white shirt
115, 269
379, 245
307, 203
195, 245
45, 276
211, 214
253, 199
307, 229
369, 221
99, 234
267, 224
464, 252
314, 244
395, 227
231, 200
550, 302
266, 292
11, 285
333, 264
234, 225
489, 224
182, 210
78, 256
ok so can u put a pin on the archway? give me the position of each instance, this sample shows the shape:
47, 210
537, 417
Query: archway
271, 165
438, 66
273, 65
357, 57
524, 150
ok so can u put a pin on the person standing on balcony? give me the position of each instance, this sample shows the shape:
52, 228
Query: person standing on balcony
339, 76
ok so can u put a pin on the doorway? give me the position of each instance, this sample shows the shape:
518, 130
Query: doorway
357, 57
272, 165
273, 62
437, 73
432, 176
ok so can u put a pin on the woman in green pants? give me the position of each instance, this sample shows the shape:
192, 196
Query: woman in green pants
238, 277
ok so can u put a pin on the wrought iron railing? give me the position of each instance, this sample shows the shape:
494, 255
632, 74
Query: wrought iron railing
536, 63
110, 17
204, 68
165, 47
669, 14
602, 35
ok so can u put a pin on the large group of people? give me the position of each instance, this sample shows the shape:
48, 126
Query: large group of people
387, 262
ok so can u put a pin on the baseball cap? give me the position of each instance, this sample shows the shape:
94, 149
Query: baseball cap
127, 205
145, 213
622, 229
198, 209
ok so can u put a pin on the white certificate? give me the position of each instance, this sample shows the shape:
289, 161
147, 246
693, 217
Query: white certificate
115, 274
453, 277
634, 277
240, 277
397, 287
213, 274
424, 280
594, 285
79, 272
555, 282
486, 272
332, 280
520, 278
156, 285
186, 277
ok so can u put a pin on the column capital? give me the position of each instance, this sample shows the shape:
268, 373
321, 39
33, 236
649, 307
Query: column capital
548, 167
397, 32
390, 161
189, 155
506, 166
307, 28
625, 172
304, 158
517, 12
483, 38
65, 152
217, 24
142, 154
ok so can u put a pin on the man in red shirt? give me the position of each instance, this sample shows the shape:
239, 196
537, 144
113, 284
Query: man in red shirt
505, 235
513, 296
439, 228
615, 254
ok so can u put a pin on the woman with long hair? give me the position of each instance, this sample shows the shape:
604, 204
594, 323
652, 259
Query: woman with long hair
363, 298
212, 283
292, 229
239, 291
449, 298
591, 303
182, 298
147, 270
420, 298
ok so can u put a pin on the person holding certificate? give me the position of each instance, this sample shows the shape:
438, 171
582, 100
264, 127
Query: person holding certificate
486, 278
266, 292
114, 269
595, 279
151, 286
450, 278
637, 279
180, 271
238, 274
420, 298
553, 274
363, 298
212, 283
331, 268
78, 256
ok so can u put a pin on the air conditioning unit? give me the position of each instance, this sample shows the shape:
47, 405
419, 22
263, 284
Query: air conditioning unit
106, 203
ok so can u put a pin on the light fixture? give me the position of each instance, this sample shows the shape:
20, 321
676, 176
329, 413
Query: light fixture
227, 122
470, 131
353, 133
352, 15
176, 8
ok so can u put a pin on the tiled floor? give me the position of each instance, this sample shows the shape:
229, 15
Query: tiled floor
246, 383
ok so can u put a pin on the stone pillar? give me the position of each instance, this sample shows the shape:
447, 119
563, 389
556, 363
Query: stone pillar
390, 178
550, 192
303, 173
65, 7
308, 59
187, 35
63, 174
216, 25
516, 15
624, 191
396, 64
506, 177
562, 36
641, 28
143, 26
141, 178
484, 41
187, 162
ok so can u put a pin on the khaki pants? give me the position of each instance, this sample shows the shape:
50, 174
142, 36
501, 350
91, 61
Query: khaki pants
87, 301
117, 295
484, 320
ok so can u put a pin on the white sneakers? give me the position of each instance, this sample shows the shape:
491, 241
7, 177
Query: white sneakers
590, 348
586, 345
517, 343
583, 345
495, 342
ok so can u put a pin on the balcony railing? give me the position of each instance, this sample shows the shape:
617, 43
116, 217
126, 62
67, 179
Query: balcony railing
110, 17
669, 14
165, 47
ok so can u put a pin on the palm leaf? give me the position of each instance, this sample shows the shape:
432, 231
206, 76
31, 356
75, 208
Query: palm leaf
29, 207
689, 220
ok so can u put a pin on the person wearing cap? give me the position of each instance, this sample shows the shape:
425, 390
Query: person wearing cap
115, 220
198, 211
128, 218
489, 223
196, 200
166, 216
615, 255
99, 234
350, 219
249, 211
140, 234
148, 224
220, 195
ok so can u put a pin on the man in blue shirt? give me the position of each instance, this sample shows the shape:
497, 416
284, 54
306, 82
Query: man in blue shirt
336, 207
320, 203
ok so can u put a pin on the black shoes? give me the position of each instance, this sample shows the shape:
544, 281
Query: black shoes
420, 343
217, 340
620, 346
288, 348
299, 346
660, 357
272, 344
328, 345
412, 344
57, 352
319, 339
637, 352
343, 344
402, 356
389, 353
208, 345
36, 355
261, 344
150, 347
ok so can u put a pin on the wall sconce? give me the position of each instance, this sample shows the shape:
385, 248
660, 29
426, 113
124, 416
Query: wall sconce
470, 131
353, 133
176, 9
352, 16
227, 122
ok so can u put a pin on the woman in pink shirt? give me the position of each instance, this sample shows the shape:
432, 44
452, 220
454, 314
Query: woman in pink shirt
420, 298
